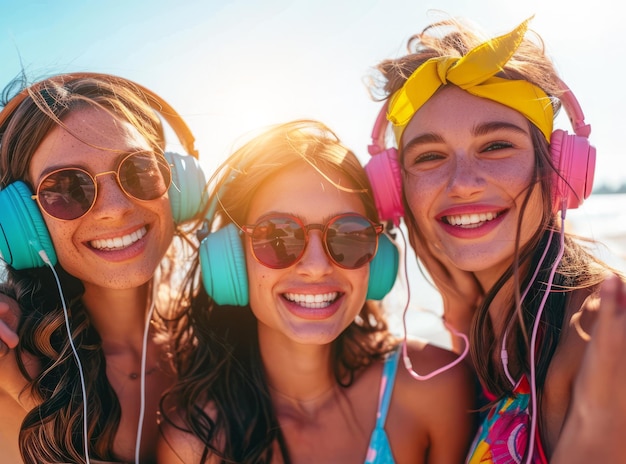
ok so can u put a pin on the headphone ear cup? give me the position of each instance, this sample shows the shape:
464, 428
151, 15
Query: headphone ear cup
383, 269
575, 160
23, 232
187, 192
223, 265
385, 176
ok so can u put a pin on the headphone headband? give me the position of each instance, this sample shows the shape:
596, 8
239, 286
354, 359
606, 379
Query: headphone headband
378, 131
574, 111
156, 102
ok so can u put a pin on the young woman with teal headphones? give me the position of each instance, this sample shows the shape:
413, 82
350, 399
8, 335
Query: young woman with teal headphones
92, 215
292, 360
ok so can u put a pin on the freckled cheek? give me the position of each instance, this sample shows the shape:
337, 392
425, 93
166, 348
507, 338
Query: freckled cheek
69, 252
426, 182
533, 213
409, 189
258, 275
515, 177
60, 232
362, 283
419, 196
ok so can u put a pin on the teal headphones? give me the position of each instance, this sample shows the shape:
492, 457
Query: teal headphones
223, 264
24, 239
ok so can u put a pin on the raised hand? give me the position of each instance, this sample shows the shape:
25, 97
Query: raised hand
597, 416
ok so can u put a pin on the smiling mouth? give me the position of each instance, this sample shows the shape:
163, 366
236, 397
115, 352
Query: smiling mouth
318, 301
470, 221
119, 243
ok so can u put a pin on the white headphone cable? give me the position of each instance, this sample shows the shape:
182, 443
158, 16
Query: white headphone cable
46, 260
144, 349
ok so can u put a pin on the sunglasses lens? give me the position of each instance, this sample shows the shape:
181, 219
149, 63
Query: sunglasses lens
351, 241
278, 242
145, 175
66, 194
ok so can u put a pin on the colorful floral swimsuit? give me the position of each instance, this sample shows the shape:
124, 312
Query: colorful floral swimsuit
503, 434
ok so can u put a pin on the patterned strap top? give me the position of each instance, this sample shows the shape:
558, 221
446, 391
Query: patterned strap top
503, 434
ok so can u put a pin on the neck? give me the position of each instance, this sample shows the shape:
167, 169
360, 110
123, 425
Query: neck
297, 373
119, 316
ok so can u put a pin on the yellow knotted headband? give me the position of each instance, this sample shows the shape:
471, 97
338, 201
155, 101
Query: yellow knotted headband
474, 73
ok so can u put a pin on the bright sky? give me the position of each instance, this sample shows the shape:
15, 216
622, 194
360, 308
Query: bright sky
230, 67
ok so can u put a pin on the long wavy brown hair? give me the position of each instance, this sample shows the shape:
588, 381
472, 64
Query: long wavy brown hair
53, 431
577, 269
223, 369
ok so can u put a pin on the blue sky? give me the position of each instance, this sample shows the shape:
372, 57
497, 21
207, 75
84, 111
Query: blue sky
231, 67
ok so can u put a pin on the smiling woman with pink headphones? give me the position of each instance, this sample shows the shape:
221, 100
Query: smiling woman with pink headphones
483, 182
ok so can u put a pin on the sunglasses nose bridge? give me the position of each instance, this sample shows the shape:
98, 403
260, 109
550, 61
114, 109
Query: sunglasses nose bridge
95, 176
115, 175
119, 189
316, 247
321, 228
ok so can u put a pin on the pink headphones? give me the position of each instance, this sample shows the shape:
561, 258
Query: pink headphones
572, 155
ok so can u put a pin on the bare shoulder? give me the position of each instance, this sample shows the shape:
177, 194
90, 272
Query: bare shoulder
435, 370
431, 419
435, 384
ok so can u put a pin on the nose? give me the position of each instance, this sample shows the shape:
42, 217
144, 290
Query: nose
111, 201
466, 179
315, 261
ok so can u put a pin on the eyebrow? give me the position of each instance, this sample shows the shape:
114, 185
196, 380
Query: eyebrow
479, 129
486, 128
429, 137
84, 167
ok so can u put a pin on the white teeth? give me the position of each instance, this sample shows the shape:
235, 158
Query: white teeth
119, 242
317, 301
470, 220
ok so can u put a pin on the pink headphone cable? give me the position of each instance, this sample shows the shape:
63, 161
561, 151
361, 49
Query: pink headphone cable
503, 352
407, 361
533, 340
